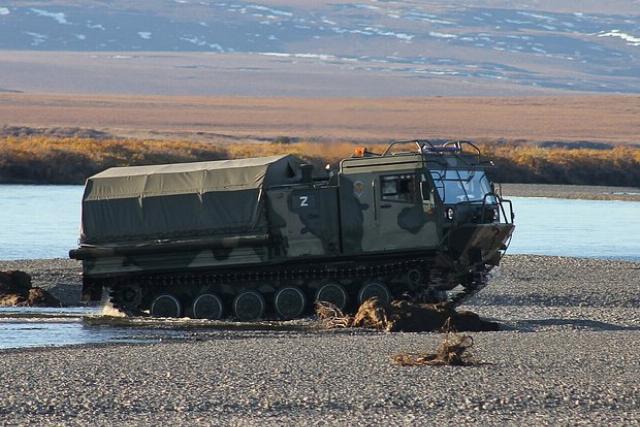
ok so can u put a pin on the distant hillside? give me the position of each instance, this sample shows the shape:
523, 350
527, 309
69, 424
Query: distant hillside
556, 46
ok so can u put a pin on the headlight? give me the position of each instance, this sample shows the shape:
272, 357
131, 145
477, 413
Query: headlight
449, 213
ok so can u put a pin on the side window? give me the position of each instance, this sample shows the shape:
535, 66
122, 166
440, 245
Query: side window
399, 188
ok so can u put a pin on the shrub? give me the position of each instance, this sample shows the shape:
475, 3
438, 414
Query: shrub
42, 159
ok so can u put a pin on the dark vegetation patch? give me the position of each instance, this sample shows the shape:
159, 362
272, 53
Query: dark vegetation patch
16, 291
453, 351
408, 316
576, 145
55, 132
403, 316
618, 166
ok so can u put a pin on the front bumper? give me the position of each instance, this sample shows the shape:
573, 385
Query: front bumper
479, 243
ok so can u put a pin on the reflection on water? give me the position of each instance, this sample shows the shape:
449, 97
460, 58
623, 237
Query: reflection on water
24, 327
43, 327
54, 333
43, 222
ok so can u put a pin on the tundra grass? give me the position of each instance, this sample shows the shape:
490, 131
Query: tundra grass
46, 160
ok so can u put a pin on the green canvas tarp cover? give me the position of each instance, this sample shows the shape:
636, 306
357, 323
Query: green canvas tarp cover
182, 200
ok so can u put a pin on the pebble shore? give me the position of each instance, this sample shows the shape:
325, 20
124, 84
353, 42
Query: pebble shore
567, 355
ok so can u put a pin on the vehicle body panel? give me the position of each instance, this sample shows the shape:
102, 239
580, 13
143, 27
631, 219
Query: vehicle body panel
266, 222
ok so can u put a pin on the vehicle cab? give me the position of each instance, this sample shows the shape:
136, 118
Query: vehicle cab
437, 198
477, 228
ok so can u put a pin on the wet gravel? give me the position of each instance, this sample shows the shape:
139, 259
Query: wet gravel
568, 355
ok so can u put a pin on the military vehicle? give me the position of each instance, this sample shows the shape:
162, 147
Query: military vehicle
266, 237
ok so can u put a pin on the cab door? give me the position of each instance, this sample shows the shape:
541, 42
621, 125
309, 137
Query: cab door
405, 211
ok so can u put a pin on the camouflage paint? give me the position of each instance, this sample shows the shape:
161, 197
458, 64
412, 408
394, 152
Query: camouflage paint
372, 224
348, 216
179, 261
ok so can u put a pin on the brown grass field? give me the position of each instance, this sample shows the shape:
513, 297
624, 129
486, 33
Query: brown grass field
72, 160
64, 139
614, 119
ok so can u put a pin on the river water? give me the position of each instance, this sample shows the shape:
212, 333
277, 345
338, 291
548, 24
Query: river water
30, 327
576, 228
43, 222
39, 327
39, 221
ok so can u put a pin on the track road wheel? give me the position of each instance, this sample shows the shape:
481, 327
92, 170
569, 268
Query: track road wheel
374, 289
166, 305
126, 299
208, 306
248, 306
333, 293
414, 278
290, 303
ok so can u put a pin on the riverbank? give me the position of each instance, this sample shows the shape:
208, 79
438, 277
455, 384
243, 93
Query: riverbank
566, 355
585, 192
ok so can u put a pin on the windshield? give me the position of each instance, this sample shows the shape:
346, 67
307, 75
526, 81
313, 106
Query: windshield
455, 186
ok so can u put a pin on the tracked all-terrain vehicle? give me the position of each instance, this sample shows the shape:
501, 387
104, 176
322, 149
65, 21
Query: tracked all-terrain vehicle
266, 237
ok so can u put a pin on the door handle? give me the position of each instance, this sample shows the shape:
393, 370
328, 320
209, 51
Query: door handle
385, 206
375, 201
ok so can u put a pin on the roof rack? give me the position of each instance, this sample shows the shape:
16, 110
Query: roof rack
459, 146
392, 143
427, 146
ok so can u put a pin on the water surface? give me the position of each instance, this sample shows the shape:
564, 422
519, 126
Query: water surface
44, 222
39, 221
24, 327
577, 228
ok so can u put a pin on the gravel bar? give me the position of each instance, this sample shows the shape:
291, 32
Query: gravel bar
568, 355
